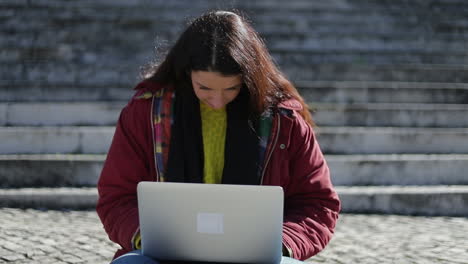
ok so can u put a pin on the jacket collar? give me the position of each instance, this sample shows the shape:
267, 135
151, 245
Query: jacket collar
291, 104
148, 85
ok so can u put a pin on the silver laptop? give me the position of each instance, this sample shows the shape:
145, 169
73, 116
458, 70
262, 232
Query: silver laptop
211, 222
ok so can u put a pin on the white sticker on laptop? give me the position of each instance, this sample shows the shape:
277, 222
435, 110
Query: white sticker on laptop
210, 223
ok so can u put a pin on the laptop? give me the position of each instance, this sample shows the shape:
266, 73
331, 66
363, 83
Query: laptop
211, 222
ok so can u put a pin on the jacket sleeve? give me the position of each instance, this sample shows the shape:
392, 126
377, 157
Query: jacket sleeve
128, 162
311, 204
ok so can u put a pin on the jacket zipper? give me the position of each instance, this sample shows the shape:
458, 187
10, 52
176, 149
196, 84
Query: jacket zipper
154, 141
272, 147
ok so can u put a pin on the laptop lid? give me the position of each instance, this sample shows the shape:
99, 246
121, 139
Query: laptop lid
211, 222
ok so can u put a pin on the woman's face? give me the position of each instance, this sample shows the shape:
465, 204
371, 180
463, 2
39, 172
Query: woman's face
215, 89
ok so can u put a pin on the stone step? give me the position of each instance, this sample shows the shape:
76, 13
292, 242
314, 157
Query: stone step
291, 55
336, 30
415, 200
78, 170
268, 7
304, 57
407, 200
325, 114
49, 198
297, 9
333, 140
327, 22
390, 115
52, 140
410, 72
78, 74
392, 140
359, 92
315, 84
36, 81
50, 170
335, 4
60, 113
377, 170
21, 92
335, 48
79, 42
322, 37
369, 43
286, 52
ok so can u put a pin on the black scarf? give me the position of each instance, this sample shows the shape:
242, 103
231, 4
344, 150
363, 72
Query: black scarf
186, 158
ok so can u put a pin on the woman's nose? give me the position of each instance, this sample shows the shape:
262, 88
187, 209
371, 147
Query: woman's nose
218, 101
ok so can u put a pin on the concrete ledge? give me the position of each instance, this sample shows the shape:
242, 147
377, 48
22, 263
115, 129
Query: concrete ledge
420, 200
19, 171
333, 140
285, 39
348, 170
309, 57
390, 115
406, 85
90, 140
49, 198
331, 5
62, 114
63, 93
392, 140
411, 72
88, 83
325, 114
361, 92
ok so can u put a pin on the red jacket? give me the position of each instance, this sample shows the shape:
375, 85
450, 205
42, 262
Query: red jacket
294, 161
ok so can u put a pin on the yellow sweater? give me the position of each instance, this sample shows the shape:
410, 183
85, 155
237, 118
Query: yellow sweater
214, 124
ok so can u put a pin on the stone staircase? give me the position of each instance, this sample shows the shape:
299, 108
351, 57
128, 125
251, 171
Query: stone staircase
387, 82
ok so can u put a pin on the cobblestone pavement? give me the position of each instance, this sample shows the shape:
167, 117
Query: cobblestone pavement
34, 236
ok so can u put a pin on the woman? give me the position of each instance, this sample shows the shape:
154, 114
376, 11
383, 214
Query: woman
218, 110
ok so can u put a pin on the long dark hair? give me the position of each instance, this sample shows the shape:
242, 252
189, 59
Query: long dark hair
225, 42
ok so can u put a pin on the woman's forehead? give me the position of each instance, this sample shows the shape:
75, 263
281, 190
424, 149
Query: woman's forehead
215, 80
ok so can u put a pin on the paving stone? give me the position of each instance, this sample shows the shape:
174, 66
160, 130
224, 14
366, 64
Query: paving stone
70, 258
5, 252
358, 239
41, 259
13, 258
35, 253
11, 246
46, 249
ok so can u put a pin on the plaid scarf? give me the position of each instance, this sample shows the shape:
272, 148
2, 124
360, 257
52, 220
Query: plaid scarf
179, 147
